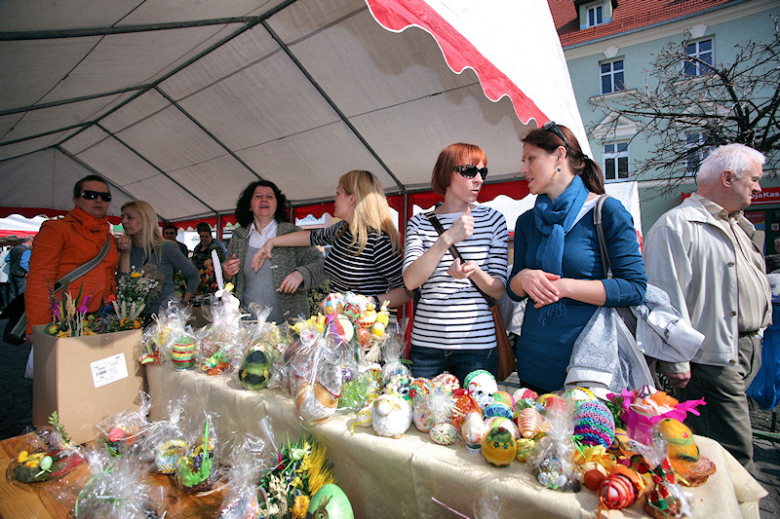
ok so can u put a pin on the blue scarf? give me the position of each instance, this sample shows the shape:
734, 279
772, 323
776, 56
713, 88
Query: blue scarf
554, 220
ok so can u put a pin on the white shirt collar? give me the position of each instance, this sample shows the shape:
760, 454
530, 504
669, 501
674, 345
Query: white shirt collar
258, 238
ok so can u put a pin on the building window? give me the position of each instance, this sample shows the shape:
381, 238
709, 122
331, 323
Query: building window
698, 151
612, 79
700, 67
616, 161
595, 15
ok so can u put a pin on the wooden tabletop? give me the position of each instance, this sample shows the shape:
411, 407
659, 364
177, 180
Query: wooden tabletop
22, 501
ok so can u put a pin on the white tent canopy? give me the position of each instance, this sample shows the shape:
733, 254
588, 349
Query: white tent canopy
182, 103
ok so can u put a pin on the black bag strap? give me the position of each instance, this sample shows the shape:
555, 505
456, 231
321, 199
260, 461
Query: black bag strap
625, 312
456, 254
598, 223
82, 270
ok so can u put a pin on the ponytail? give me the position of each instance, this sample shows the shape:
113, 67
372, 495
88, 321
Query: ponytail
582, 165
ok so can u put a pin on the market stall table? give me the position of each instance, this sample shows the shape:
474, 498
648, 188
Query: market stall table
384, 477
21, 501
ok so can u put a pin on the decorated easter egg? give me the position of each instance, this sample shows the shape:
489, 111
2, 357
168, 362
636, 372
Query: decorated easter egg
497, 409
255, 370
524, 392
529, 422
444, 434
681, 447
169, 454
499, 447
363, 417
46, 463
183, 353
420, 387
447, 380
395, 369
340, 329
331, 502
464, 404
526, 403
551, 401
333, 303
363, 337
621, 444
594, 422
502, 421
619, 490
503, 396
473, 431
580, 394
378, 329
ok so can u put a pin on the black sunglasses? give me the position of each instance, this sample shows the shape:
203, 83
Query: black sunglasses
92, 195
469, 171
550, 126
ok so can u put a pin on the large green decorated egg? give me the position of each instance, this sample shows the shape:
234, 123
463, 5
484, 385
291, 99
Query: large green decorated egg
330, 502
255, 370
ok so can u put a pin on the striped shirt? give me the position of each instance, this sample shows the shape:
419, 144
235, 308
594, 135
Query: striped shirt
375, 271
754, 307
451, 314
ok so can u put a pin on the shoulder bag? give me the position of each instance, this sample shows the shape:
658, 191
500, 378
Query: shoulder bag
15, 330
506, 356
605, 357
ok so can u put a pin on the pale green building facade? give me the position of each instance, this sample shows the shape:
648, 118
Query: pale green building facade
606, 65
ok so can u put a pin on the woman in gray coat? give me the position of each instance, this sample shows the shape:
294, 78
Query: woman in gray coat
282, 283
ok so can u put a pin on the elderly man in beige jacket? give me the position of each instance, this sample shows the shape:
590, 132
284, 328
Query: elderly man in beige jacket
708, 257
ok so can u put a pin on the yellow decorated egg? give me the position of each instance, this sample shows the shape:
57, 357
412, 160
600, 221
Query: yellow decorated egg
499, 447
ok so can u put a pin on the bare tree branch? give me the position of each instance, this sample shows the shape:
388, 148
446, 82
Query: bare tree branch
730, 102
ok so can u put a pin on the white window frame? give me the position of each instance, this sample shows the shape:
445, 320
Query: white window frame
611, 74
697, 67
614, 155
694, 159
595, 10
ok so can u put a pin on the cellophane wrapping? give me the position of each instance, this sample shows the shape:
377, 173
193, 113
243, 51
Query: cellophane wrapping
165, 442
152, 347
123, 433
30, 464
553, 457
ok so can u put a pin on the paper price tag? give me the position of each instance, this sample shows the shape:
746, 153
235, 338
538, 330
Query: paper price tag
108, 370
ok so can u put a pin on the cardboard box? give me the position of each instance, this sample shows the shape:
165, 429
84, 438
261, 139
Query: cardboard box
85, 379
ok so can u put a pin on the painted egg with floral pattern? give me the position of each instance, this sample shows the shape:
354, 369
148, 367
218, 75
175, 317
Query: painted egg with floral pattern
498, 409
444, 434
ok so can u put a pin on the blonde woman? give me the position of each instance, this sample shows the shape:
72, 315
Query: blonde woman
143, 244
366, 257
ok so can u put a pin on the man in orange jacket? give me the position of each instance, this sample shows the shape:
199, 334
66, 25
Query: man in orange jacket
66, 243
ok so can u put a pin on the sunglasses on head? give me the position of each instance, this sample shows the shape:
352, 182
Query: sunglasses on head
92, 195
550, 126
469, 171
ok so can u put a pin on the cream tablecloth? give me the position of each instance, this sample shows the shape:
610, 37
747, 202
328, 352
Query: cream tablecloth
397, 478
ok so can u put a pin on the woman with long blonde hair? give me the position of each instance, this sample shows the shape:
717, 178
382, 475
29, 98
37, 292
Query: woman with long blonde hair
366, 257
142, 244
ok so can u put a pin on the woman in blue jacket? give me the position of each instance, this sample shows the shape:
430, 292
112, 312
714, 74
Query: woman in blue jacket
557, 262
